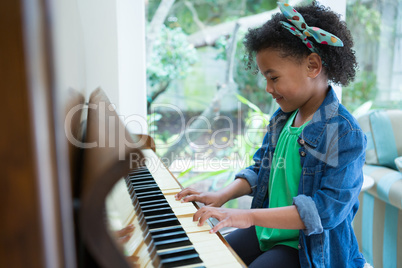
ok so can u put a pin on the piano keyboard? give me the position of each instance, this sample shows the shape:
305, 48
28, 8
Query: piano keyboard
164, 227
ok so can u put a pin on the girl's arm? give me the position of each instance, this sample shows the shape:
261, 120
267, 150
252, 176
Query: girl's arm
237, 188
279, 218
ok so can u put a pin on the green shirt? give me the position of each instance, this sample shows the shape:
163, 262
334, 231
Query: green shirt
283, 185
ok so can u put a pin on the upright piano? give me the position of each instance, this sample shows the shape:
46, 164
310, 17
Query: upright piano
45, 180
129, 186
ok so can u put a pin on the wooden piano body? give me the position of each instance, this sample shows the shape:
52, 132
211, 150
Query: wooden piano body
136, 188
55, 193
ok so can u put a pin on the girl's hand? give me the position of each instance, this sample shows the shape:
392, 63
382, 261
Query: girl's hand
124, 234
211, 199
227, 217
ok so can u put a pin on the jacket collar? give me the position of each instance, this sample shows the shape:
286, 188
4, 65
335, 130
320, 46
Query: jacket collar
328, 109
312, 133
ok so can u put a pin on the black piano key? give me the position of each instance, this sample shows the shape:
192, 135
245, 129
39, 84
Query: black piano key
169, 235
138, 177
148, 193
163, 223
161, 205
177, 252
154, 197
160, 216
166, 230
147, 188
138, 171
153, 201
181, 261
169, 240
141, 178
172, 243
151, 183
157, 211
142, 182
134, 186
179, 257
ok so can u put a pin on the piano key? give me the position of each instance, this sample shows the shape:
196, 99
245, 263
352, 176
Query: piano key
180, 261
163, 223
155, 205
166, 230
147, 188
151, 202
180, 209
153, 197
139, 178
209, 245
148, 193
191, 226
172, 243
141, 183
160, 216
157, 211
198, 235
179, 257
168, 235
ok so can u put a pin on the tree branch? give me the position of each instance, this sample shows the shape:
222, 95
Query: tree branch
155, 94
154, 27
209, 35
190, 6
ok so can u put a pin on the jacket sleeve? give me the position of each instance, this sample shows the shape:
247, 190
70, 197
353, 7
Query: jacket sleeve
340, 184
251, 173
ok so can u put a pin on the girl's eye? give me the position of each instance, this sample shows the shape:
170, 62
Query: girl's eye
274, 78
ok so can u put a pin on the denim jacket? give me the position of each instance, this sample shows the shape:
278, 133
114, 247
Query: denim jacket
332, 154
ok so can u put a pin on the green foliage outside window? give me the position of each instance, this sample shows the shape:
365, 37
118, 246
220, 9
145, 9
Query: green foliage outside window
363, 89
172, 57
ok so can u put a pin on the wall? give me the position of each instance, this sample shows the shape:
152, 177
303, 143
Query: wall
131, 63
101, 43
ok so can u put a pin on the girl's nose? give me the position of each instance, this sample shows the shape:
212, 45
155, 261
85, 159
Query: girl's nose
269, 88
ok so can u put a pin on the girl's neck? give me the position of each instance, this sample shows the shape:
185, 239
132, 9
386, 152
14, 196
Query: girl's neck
307, 111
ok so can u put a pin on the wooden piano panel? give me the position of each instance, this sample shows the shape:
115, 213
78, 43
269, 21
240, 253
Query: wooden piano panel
30, 225
104, 163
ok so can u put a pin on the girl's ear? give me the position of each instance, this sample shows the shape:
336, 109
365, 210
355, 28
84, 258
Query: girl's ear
314, 65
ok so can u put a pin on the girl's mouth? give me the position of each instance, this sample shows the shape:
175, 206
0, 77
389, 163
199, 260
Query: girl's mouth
278, 99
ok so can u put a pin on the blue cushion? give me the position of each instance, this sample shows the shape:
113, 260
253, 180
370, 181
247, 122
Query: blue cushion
384, 136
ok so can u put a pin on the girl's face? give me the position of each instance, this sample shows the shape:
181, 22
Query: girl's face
288, 80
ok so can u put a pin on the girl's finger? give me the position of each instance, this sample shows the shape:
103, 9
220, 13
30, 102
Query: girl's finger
127, 230
205, 216
124, 239
191, 198
185, 192
219, 226
198, 214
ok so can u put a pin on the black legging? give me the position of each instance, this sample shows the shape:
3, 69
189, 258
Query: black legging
245, 243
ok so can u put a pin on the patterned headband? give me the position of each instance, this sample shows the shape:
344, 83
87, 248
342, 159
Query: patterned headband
302, 30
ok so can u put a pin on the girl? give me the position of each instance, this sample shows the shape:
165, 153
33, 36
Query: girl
308, 172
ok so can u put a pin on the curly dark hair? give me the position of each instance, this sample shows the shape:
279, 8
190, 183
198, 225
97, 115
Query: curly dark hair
339, 62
